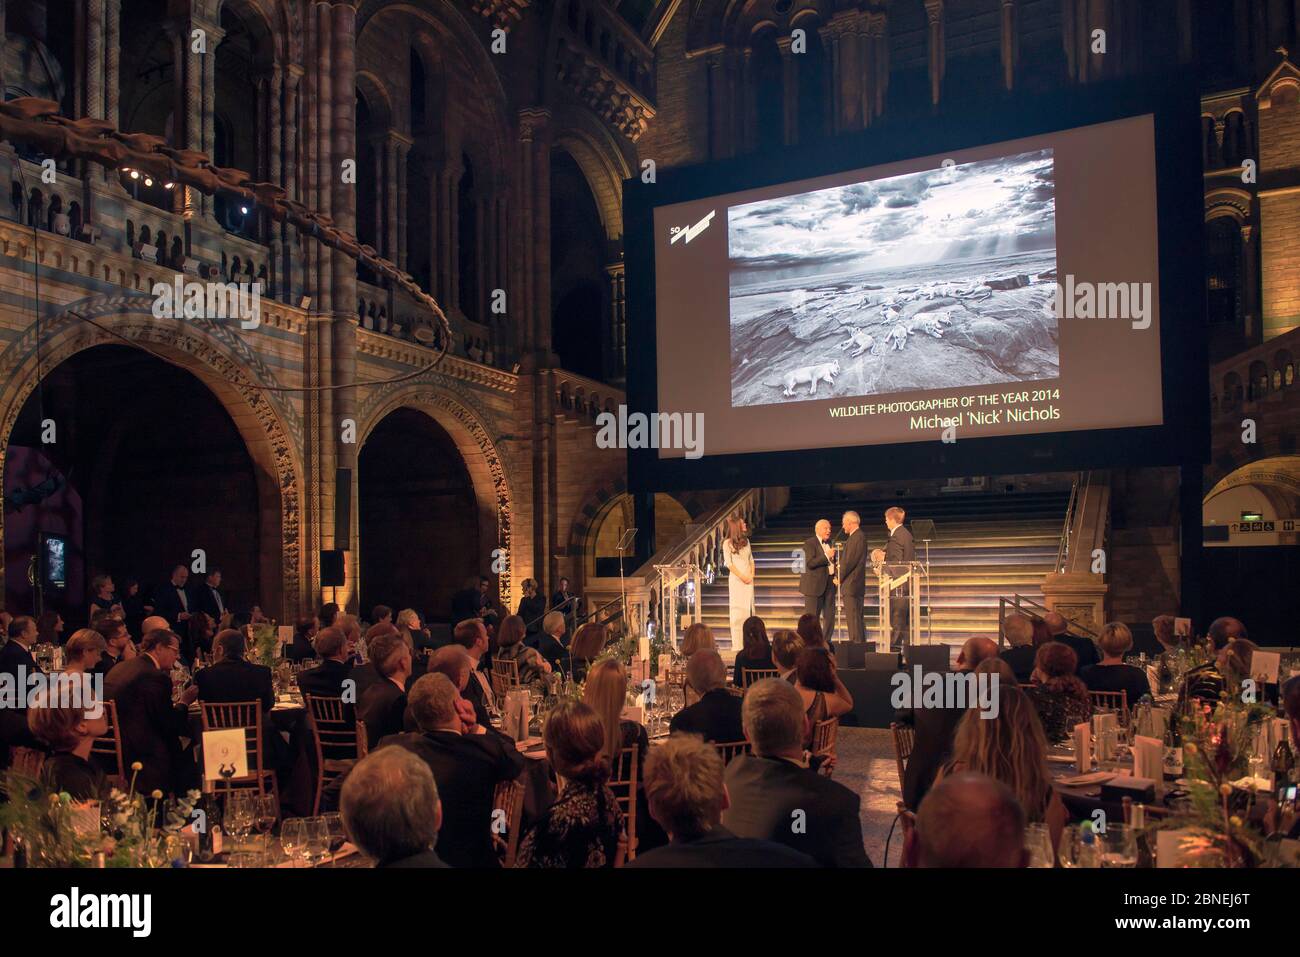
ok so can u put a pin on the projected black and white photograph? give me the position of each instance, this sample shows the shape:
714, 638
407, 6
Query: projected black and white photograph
930, 280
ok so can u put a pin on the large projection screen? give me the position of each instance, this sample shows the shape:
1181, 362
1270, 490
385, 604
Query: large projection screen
1008, 290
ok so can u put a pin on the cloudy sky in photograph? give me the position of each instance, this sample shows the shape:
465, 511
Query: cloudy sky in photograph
969, 211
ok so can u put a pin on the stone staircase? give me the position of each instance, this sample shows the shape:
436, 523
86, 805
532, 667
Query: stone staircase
985, 546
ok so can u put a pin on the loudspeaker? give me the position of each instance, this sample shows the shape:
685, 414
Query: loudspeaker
929, 657
849, 654
343, 508
331, 568
881, 661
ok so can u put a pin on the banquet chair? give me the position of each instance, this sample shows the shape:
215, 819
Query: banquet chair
749, 675
1116, 701
731, 749
26, 761
509, 799
505, 675
905, 820
247, 716
106, 752
363, 740
904, 742
623, 783
825, 733
335, 739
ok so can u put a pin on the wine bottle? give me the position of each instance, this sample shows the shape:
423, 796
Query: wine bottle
1283, 763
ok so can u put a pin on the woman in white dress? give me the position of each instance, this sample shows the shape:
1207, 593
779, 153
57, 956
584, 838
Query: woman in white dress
739, 559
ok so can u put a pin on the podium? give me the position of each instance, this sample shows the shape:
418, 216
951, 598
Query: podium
679, 600
899, 585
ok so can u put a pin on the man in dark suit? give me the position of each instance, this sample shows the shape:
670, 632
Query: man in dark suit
467, 767
897, 556
935, 728
1020, 652
327, 679
852, 575
232, 678
716, 715
17, 662
773, 789
471, 635
815, 580
117, 643
151, 725
566, 603
207, 596
172, 601
390, 809
685, 793
1083, 647
383, 705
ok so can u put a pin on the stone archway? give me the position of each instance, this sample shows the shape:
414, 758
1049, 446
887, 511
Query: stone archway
465, 426
220, 358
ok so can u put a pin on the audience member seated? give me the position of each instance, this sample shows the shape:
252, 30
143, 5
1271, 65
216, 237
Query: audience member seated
467, 767
1042, 635
329, 614
809, 629
687, 797
1084, 650
231, 677
1018, 631
698, 637
198, 637
786, 646
49, 628
69, 733
716, 714
550, 640
327, 678
150, 724
118, 645
1111, 674
1059, 697
818, 683
471, 634
302, 648
83, 651
756, 654
944, 838
588, 643
412, 631
381, 614
103, 601
383, 705
390, 809
1231, 665
771, 787
584, 827
996, 666
533, 668
1011, 748
935, 728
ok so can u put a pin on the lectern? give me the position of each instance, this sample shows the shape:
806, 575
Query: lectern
899, 583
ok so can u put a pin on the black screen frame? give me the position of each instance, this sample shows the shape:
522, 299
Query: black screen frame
1183, 438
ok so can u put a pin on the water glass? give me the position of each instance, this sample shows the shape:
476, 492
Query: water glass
1118, 846
1069, 846
293, 838
318, 840
1038, 842
242, 859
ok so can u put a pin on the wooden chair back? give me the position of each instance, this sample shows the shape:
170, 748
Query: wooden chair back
509, 800
335, 740
246, 715
825, 733
505, 675
904, 741
731, 749
26, 761
623, 782
1116, 701
106, 752
749, 675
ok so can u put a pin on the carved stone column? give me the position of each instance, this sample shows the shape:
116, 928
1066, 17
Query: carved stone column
715, 83
938, 56
403, 149
112, 57
208, 64
535, 220
275, 125
790, 91
617, 321
745, 119
95, 58
878, 38
1250, 283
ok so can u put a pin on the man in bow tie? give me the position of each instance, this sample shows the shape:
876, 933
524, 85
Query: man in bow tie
816, 580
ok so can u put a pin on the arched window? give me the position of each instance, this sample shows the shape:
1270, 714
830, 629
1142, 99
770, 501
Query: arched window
1222, 271
467, 264
417, 83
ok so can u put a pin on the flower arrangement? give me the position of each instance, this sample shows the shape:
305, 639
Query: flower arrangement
53, 830
266, 644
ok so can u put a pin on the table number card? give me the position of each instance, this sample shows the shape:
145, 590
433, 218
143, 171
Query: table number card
1265, 665
225, 754
1083, 747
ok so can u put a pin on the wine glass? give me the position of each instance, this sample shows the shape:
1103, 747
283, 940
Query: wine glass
265, 813
1038, 842
293, 838
239, 813
1118, 846
318, 840
334, 824
1069, 846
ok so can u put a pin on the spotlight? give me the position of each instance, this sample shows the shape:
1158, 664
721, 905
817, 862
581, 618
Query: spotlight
244, 210
148, 181
135, 174
168, 185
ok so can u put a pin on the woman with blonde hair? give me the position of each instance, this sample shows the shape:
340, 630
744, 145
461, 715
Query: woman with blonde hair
1011, 748
83, 651
698, 637
739, 559
606, 692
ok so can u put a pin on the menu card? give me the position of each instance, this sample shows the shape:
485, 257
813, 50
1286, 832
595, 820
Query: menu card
1101, 723
1083, 747
1149, 761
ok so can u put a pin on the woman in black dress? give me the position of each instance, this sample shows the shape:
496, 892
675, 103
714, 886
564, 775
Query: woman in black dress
70, 734
531, 607
756, 653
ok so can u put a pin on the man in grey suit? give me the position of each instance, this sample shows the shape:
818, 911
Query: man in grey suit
897, 556
852, 575
815, 580
775, 796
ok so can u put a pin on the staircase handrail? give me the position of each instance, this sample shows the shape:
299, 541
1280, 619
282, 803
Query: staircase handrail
1034, 609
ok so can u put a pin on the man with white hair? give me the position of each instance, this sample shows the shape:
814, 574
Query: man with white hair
1084, 648
467, 767
852, 575
716, 715
390, 809
775, 796
815, 580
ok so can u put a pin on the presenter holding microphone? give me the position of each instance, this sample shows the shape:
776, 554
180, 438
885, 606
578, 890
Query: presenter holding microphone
815, 582
852, 575
739, 559
897, 556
